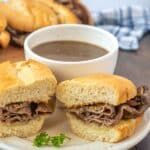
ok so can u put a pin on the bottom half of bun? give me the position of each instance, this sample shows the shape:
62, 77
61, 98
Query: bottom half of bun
95, 132
25, 129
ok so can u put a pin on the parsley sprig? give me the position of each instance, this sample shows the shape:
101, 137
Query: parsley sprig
43, 139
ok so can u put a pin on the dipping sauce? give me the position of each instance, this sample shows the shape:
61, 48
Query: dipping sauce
69, 50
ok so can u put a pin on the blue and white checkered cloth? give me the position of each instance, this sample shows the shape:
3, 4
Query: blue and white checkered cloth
128, 24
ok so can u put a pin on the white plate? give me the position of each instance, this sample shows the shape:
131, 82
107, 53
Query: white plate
57, 124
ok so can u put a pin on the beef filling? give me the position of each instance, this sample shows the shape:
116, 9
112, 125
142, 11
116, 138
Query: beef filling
108, 115
23, 111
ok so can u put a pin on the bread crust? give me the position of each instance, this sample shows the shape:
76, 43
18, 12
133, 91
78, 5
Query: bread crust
26, 81
31, 15
4, 39
4, 35
64, 15
34, 14
3, 22
22, 129
94, 132
97, 88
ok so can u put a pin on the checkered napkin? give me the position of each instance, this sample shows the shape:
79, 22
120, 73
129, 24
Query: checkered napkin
128, 24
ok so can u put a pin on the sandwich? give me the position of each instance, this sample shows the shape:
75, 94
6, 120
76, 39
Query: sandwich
26, 16
4, 35
103, 107
27, 91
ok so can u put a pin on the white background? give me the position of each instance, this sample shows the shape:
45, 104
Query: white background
96, 5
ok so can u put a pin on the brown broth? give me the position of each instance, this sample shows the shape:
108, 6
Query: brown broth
69, 50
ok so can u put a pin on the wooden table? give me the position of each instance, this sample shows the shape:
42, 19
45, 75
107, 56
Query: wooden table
134, 65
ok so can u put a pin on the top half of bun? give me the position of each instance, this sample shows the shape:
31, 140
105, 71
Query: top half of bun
98, 88
26, 81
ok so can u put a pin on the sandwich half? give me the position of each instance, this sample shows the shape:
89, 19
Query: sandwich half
27, 91
103, 107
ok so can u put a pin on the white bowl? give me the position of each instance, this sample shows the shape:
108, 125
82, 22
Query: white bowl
84, 33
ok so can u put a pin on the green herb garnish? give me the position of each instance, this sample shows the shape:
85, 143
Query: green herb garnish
43, 139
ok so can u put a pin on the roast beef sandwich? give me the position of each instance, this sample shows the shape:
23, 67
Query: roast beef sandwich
103, 107
27, 91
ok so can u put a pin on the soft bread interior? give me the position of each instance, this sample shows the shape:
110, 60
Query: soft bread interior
93, 131
26, 81
99, 88
22, 129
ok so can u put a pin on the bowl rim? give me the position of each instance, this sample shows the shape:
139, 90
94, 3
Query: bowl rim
28, 50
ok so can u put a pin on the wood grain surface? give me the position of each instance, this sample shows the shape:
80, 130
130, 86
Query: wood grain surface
133, 65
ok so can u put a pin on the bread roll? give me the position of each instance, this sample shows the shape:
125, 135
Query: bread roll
4, 39
3, 22
64, 15
4, 35
32, 15
98, 88
26, 15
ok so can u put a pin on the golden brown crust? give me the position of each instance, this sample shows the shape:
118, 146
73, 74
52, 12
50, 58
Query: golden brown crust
26, 81
15, 74
97, 88
31, 15
4, 35
4, 39
39, 71
64, 14
92, 131
3, 22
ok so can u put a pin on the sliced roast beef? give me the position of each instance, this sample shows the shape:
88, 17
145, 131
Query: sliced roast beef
108, 115
23, 111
